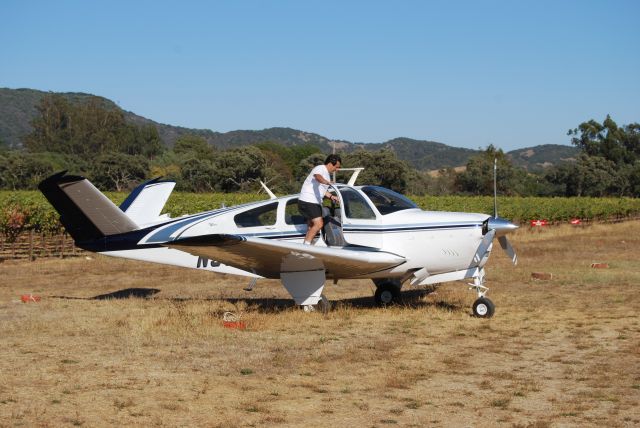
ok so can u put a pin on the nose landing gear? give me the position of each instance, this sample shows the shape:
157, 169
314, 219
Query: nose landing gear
483, 307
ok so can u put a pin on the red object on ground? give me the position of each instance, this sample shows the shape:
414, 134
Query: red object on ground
600, 265
576, 221
26, 298
240, 325
535, 223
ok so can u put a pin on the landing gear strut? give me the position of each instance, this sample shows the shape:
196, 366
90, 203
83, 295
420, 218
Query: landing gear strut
482, 307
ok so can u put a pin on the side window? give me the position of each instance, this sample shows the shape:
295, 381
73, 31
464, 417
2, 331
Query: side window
292, 214
261, 216
355, 206
387, 201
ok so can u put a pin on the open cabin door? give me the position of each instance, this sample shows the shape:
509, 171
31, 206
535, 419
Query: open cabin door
332, 233
358, 221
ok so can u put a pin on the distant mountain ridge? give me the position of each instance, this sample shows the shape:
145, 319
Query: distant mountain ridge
537, 158
18, 109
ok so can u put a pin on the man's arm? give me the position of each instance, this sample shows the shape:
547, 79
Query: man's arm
328, 195
322, 180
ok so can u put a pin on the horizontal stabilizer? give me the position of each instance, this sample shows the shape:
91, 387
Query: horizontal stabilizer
84, 211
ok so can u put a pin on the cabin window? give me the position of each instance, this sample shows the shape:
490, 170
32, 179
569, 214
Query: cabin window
264, 215
387, 201
292, 214
355, 206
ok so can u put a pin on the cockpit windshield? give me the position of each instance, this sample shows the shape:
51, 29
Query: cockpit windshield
387, 201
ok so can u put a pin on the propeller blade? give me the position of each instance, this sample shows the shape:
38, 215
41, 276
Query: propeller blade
480, 257
506, 246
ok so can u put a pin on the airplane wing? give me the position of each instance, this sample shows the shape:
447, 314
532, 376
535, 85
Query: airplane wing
266, 256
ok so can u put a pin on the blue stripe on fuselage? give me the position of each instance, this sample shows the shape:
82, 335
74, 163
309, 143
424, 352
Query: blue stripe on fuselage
163, 232
409, 228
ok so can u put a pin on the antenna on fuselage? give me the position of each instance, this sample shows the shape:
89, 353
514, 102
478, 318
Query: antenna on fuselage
354, 176
495, 188
269, 192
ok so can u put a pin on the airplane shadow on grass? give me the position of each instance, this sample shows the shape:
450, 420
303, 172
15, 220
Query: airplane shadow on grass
410, 299
126, 293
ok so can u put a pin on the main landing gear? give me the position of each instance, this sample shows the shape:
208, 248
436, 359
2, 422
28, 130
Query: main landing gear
482, 307
387, 292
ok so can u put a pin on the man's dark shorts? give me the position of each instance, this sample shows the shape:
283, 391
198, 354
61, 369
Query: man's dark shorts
309, 210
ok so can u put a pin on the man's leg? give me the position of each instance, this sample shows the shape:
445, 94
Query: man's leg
314, 226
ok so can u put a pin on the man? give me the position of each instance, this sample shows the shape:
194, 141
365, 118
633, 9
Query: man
314, 189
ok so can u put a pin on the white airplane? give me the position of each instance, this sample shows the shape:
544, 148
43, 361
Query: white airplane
372, 233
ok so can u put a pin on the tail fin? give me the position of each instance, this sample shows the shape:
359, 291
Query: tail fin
145, 203
86, 213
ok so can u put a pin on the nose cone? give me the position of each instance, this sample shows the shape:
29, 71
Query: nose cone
501, 226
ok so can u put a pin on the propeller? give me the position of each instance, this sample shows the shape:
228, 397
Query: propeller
506, 246
498, 225
482, 253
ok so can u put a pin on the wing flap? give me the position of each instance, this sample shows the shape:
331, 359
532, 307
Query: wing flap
266, 257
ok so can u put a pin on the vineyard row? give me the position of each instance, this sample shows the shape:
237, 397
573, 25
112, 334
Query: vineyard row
28, 210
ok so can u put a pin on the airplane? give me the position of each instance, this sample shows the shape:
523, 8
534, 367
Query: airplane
371, 232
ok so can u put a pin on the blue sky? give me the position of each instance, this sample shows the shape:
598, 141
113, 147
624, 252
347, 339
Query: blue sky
465, 73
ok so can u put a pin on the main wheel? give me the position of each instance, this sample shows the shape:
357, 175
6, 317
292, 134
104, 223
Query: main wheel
387, 294
483, 308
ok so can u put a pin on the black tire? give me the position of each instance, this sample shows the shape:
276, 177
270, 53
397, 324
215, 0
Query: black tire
387, 294
483, 308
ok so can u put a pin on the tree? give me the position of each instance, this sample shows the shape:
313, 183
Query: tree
51, 126
166, 165
20, 170
197, 175
194, 146
442, 182
381, 168
146, 142
118, 171
477, 179
591, 176
240, 168
605, 140
634, 179
88, 129
607, 164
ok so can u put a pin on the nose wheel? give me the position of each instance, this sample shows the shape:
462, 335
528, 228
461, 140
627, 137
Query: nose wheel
483, 308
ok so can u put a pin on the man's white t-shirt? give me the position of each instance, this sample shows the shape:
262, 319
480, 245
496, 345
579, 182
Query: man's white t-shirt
312, 190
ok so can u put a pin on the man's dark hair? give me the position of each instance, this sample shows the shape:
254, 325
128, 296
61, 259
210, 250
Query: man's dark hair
333, 160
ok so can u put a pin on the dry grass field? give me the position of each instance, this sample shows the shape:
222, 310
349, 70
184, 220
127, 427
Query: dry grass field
117, 342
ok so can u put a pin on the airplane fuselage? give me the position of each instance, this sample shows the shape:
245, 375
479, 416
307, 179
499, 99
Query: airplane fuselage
372, 232
444, 241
